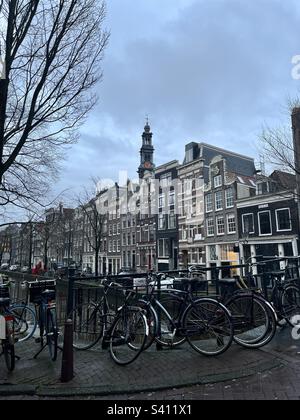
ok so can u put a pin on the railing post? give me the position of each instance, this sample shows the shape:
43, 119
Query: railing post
159, 347
71, 282
67, 368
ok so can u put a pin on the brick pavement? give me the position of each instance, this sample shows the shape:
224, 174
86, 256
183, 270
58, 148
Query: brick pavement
239, 374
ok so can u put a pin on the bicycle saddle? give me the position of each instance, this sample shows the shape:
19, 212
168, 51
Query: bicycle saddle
49, 294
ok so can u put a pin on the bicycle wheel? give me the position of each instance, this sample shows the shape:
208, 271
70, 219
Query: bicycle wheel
87, 326
128, 336
152, 323
290, 304
208, 327
170, 334
25, 322
52, 334
9, 355
253, 320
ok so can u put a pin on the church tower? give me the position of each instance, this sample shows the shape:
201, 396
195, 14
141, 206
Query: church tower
147, 153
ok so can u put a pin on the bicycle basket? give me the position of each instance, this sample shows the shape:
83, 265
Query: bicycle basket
36, 290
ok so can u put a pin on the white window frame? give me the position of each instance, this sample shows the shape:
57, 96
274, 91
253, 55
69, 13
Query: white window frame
220, 181
172, 198
161, 201
172, 215
231, 216
217, 224
216, 202
277, 221
259, 227
209, 226
226, 198
211, 202
243, 223
161, 217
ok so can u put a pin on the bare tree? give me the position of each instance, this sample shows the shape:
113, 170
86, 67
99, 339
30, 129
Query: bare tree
52, 52
93, 221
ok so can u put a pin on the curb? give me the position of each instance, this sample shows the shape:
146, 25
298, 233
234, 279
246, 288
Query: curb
106, 390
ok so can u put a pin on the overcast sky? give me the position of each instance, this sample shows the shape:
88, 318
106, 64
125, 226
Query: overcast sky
204, 70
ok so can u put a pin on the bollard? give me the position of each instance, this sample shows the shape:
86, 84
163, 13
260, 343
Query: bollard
67, 368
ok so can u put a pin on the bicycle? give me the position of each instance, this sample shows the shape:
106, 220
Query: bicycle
281, 291
7, 334
25, 317
124, 332
178, 317
43, 295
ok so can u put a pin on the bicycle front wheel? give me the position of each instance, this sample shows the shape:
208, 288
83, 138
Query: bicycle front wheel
253, 320
208, 327
128, 336
25, 322
169, 333
290, 304
87, 326
52, 334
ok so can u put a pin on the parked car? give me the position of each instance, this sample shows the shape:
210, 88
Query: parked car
166, 283
25, 269
14, 268
5, 266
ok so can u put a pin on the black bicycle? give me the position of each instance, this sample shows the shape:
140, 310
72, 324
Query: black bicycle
123, 331
43, 296
175, 316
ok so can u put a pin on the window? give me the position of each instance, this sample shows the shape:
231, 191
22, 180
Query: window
110, 230
283, 220
248, 223
161, 222
210, 227
161, 202
219, 200
220, 225
119, 246
110, 246
129, 258
118, 228
189, 156
124, 239
129, 239
166, 181
218, 181
229, 198
265, 225
114, 246
163, 248
133, 239
115, 229
209, 203
172, 220
172, 198
231, 224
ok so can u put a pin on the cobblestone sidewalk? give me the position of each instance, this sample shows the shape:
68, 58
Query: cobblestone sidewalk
96, 373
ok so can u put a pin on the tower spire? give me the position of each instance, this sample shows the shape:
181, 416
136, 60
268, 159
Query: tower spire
147, 151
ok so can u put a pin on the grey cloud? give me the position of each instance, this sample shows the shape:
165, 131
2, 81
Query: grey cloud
211, 71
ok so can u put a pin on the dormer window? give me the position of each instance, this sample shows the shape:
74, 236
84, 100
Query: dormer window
218, 181
189, 156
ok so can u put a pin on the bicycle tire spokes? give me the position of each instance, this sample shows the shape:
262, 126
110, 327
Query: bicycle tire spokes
208, 327
128, 336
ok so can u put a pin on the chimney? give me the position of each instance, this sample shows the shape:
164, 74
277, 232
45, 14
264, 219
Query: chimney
296, 136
